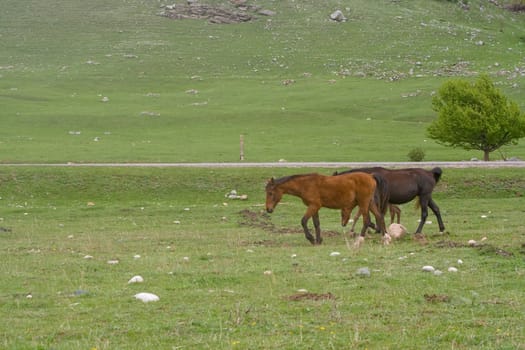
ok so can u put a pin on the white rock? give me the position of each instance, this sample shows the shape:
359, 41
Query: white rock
136, 279
147, 297
472, 242
438, 272
452, 269
267, 272
363, 271
428, 268
335, 254
460, 261
88, 257
396, 230
338, 16
113, 262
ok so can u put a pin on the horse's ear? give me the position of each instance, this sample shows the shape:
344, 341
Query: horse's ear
270, 181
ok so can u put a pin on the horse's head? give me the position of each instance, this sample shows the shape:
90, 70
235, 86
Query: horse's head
273, 195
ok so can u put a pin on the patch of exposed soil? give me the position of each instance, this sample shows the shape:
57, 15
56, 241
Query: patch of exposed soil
483, 248
450, 244
490, 249
436, 298
311, 296
262, 221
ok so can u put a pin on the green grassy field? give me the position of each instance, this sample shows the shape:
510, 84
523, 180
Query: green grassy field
184, 91
231, 277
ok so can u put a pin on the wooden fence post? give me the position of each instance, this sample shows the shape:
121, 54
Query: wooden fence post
242, 147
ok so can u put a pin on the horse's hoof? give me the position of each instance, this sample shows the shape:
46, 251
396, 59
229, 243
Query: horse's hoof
360, 240
420, 238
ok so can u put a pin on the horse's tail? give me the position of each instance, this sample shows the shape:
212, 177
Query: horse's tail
437, 173
417, 204
381, 196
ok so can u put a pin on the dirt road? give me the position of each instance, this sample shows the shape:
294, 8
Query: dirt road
466, 164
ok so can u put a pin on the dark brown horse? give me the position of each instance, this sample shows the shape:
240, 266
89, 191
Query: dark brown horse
403, 185
343, 192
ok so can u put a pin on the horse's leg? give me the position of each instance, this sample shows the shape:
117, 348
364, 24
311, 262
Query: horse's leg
394, 211
356, 217
380, 219
433, 206
310, 212
366, 218
423, 202
380, 222
397, 210
317, 225
345, 216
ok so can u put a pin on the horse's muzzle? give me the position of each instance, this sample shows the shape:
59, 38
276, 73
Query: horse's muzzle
269, 210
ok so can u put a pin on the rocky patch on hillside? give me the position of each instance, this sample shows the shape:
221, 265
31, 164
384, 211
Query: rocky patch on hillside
235, 11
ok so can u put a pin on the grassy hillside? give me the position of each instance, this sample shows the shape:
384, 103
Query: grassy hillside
184, 90
230, 276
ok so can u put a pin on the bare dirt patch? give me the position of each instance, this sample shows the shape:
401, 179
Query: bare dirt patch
262, 221
436, 298
311, 296
484, 249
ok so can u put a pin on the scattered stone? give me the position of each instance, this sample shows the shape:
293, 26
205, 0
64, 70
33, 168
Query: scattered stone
338, 16
363, 272
136, 279
147, 297
396, 230
428, 268
233, 195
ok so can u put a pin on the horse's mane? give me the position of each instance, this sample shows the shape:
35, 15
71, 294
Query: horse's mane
284, 179
366, 170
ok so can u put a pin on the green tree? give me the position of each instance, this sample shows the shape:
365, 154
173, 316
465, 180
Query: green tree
475, 116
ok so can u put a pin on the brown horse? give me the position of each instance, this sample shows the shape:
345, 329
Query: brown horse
343, 192
403, 185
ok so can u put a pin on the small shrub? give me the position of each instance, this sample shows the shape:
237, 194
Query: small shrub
416, 154
516, 6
